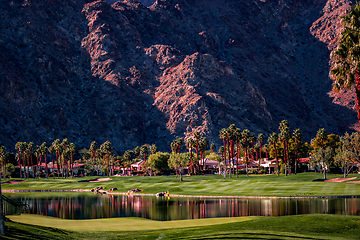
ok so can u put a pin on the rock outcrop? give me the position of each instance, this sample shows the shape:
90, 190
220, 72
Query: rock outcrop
135, 73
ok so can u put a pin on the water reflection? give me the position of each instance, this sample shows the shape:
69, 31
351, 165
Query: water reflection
90, 206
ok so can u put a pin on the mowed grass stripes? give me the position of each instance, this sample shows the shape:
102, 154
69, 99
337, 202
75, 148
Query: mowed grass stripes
212, 185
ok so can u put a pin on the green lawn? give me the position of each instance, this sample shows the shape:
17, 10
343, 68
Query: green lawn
286, 227
254, 185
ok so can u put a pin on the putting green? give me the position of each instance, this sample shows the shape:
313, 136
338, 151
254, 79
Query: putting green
120, 224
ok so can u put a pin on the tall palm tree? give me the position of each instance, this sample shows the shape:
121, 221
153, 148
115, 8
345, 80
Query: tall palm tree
153, 149
57, 148
2, 217
297, 136
272, 140
190, 144
145, 151
245, 135
72, 150
44, 152
346, 70
108, 150
284, 128
203, 144
37, 152
18, 148
321, 135
266, 149
213, 147
237, 137
197, 136
52, 151
29, 149
260, 139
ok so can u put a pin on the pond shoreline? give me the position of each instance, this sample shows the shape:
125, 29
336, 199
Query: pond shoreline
186, 196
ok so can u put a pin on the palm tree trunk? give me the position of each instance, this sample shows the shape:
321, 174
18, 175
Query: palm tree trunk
46, 168
277, 162
296, 156
2, 217
357, 84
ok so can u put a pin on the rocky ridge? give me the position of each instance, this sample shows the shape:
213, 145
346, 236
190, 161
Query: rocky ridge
131, 74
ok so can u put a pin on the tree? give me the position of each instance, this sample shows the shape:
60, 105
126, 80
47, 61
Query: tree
72, 150
197, 138
284, 136
19, 147
159, 162
137, 151
2, 217
244, 142
297, 136
177, 161
260, 139
348, 152
190, 144
272, 140
29, 151
213, 147
153, 149
322, 158
108, 150
238, 138
52, 151
346, 56
57, 149
203, 144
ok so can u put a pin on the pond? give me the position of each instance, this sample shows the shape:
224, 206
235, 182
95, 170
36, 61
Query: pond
92, 206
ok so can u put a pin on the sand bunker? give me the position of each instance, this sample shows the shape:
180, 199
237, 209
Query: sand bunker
101, 180
340, 179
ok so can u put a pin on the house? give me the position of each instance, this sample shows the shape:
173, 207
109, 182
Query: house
269, 165
208, 164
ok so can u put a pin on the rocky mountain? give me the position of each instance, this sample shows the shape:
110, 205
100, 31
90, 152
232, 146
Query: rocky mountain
132, 74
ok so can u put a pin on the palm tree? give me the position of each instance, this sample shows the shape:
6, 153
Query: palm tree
44, 152
57, 149
203, 144
2, 217
37, 152
297, 138
197, 138
266, 149
72, 150
153, 149
190, 144
237, 137
321, 135
145, 151
285, 136
128, 155
52, 151
260, 139
346, 56
272, 140
18, 147
244, 142
213, 147
108, 150
29, 151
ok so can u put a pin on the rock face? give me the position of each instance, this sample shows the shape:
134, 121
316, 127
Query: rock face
135, 73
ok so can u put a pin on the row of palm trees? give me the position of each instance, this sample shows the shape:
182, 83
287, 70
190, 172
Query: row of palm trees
236, 141
64, 152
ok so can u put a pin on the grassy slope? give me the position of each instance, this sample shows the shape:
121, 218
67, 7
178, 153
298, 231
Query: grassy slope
255, 185
287, 227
